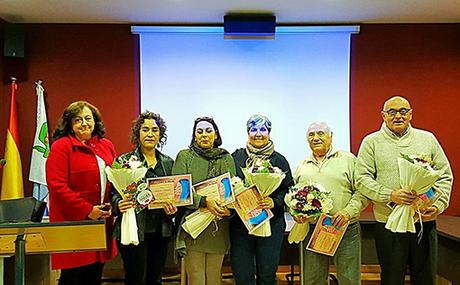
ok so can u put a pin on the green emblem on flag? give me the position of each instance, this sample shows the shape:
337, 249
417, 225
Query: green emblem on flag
43, 137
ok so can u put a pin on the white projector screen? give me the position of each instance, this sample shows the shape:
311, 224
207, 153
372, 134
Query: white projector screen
300, 76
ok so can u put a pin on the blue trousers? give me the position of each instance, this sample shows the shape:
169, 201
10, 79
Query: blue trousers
255, 259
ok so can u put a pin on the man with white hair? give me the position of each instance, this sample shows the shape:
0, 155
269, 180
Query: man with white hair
377, 177
334, 170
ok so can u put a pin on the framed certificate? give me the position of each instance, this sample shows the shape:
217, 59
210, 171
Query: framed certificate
423, 201
247, 206
170, 188
326, 237
217, 187
426, 200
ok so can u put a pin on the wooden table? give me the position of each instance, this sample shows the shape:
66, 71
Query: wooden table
19, 239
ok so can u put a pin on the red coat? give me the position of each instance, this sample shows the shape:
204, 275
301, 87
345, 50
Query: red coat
73, 178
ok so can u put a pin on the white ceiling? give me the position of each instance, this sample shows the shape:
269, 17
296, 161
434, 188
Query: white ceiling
212, 11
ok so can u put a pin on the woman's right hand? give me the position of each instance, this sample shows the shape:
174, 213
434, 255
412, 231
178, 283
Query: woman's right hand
213, 205
100, 212
124, 206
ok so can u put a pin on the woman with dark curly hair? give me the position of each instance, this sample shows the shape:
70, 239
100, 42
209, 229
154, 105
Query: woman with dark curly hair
204, 159
78, 187
144, 262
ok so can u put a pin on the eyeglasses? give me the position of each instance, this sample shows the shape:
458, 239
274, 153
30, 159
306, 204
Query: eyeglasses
402, 112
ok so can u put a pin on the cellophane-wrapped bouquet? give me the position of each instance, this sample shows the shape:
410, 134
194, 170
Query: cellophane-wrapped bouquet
416, 173
128, 179
238, 186
198, 221
309, 199
267, 178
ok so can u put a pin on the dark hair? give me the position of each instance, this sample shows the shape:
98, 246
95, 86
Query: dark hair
64, 126
218, 140
135, 129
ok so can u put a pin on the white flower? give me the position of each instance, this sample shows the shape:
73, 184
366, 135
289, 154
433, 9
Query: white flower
133, 162
236, 180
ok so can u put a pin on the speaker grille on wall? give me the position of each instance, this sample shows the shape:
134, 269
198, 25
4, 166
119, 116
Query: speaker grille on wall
13, 45
249, 26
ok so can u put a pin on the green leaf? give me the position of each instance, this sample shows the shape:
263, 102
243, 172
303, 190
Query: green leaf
40, 149
116, 165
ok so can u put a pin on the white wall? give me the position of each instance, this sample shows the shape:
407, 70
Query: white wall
294, 79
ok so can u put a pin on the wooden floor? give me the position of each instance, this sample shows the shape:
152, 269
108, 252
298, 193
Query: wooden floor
370, 276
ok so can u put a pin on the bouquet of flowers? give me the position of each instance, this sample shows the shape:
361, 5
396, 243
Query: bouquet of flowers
309, 199
416, 173
198, 221
237, 184
267, 178
127, 178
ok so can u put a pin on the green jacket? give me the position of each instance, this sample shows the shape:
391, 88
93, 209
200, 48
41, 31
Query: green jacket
215, 238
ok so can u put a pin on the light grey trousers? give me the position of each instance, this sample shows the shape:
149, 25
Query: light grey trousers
203, 268
347, 260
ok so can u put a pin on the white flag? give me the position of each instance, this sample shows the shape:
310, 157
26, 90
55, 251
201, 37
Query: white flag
41, 147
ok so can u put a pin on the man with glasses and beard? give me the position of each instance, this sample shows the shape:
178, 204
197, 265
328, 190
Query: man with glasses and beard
377, 177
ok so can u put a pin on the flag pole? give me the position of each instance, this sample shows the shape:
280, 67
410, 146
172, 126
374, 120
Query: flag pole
40, 149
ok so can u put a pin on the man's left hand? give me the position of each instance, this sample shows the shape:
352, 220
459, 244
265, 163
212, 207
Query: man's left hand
430, 214
340, 218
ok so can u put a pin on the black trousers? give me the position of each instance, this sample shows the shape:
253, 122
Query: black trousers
396, 251
89, 275
144, 263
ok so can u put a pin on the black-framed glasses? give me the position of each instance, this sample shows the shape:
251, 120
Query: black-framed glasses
402, 112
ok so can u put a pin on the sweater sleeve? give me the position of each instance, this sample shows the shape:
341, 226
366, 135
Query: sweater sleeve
358, 201
444, 183
366, 173
57, 177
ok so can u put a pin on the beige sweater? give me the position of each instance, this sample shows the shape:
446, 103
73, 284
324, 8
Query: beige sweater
377, 173
335, 174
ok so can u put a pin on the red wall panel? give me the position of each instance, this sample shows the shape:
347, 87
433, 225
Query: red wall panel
97, 63
420, 62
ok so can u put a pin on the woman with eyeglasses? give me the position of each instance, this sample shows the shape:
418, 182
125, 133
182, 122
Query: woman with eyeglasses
204, 159
255, 259
78, 188
144, 263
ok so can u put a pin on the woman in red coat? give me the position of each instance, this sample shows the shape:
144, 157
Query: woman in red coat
78, 187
